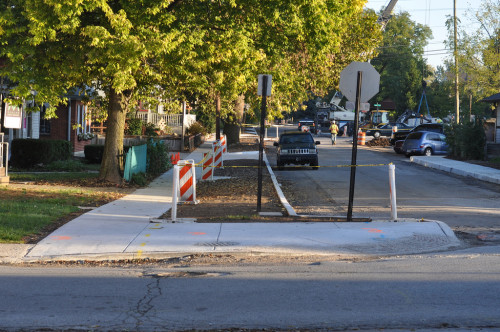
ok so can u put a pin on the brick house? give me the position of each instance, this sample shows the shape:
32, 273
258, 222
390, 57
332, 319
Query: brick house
72, 123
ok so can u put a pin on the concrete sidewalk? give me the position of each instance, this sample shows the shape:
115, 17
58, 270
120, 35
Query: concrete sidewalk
123, 229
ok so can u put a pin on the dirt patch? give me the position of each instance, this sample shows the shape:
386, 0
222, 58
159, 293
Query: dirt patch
382, 141
233, 194
234, 197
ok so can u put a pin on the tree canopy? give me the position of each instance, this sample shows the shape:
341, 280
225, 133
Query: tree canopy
478, 61
400, 61
143, 50
479, 51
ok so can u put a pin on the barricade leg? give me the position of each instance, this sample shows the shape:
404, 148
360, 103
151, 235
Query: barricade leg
175, 193
187, 181
207, 172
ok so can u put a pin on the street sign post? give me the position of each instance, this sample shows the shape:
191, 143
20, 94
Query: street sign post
263, 89
359, 81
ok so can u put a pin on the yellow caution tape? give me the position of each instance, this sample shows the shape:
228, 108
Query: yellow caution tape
297, 166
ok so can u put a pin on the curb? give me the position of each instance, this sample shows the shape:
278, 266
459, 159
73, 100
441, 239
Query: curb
283, 200
428, 162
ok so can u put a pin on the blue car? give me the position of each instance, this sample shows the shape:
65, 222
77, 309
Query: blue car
424, 143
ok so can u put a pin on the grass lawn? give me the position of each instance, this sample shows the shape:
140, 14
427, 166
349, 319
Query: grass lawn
51, 177
26, 213
39, 201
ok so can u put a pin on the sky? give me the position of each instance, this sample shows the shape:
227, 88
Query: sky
432, 13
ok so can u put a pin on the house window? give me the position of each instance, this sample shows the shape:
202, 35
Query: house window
44, 123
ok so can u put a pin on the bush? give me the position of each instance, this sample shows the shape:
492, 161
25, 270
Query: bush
93, 153
466, 140
27, 153
139, 179
158, 160
196, 128
150, 129
133, 127
206, 119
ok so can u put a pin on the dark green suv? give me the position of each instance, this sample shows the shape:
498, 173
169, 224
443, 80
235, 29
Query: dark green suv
296, 147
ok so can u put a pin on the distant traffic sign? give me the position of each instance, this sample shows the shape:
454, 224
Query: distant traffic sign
369, 85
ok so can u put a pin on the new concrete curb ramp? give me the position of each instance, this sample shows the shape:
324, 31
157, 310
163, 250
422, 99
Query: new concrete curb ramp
122, 229
141, 239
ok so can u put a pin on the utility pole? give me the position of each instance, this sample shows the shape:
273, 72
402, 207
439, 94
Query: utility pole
457, 99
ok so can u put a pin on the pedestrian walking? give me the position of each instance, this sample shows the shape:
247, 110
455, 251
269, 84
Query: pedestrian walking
334, 129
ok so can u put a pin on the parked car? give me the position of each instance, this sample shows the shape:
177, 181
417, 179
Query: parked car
401, 135
385, 129
398, 146
307, 125
425, 143
296, 147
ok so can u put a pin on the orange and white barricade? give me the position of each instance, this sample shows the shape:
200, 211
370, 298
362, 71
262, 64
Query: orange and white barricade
187, 181
184, 184
207, 170
223, 142
217, 154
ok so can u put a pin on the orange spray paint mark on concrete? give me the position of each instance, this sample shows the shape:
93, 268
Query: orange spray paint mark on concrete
197, 233
373, 230
61, 238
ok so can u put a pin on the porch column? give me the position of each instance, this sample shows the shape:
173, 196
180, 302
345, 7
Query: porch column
69, 120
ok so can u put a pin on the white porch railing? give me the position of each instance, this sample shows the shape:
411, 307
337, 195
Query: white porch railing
171, 120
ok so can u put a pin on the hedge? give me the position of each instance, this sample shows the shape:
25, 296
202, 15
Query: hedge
27, 152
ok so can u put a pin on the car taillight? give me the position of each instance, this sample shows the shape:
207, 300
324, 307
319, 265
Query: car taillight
421, 146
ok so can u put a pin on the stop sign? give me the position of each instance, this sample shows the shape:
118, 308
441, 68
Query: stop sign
369, 84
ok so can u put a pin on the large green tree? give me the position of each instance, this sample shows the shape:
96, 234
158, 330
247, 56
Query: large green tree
51, 46
303, 44
400, 61
478, 53
203, 49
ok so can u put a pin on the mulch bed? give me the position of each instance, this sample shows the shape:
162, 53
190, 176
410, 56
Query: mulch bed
233, 198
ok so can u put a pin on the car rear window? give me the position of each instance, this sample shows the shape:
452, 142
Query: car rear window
290, 139
436, 129
416, 135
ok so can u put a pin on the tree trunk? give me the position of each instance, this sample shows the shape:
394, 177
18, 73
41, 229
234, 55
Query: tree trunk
232, 130
112, 159
239, 108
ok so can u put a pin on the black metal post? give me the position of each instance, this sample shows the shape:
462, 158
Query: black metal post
354, 146
263, 109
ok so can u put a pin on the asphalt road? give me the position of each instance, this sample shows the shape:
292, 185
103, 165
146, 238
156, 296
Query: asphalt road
418, 292
464, 204
455, 291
